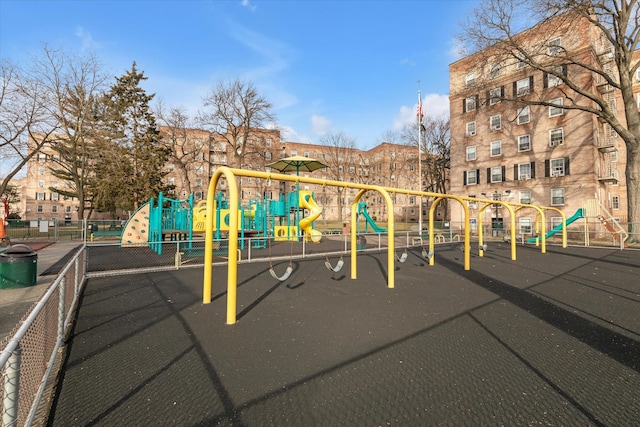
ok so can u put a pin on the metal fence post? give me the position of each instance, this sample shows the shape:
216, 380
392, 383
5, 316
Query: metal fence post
61, 305
11, 388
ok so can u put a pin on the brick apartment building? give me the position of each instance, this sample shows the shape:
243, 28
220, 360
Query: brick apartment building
544, 155
197, 154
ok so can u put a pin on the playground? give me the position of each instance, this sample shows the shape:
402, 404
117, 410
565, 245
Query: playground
550, 339
343, 330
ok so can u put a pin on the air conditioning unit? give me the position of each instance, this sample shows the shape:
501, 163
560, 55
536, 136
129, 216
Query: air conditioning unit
553, 143
524, 177
555, 173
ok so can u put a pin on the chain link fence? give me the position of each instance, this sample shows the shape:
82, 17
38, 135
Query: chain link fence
31, 351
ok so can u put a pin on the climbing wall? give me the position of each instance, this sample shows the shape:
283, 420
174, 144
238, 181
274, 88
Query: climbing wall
136, 230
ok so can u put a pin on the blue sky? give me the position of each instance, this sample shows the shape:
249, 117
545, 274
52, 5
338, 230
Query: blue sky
348, 66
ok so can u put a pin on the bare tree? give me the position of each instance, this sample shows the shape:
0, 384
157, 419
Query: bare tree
233, 111
24, 122
340, 159
434, 151
186, 145
73, 86
498, 31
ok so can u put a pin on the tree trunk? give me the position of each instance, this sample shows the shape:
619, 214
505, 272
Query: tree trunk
633, 192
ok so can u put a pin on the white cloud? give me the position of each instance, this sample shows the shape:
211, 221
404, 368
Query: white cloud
433, 105
320, 125
408, 62
246, 3
88, 43
287, 133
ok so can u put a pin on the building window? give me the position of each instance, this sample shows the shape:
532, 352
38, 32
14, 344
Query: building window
42, 157
471, 177
524, 171
54, 208
496, 148
556, 137
524, 225
470, 79
471, 128
55, 196
523, 87
552, 79
294, 153
471, 153
306, 154
199, 156
524, 143
495, 95
557, 167
556, 109
268, 143
198, 182
555, 46
470, 104
267, 155
171, 180
494, 70
524, 115
40, 196
496, 174
520, 61
557, 196
41, 170
67, 209
615, 202
495, 122
199, 170
524, 197
39, 209
41, 183
352, 169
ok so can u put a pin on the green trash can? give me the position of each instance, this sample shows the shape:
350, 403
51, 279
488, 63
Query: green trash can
18, 267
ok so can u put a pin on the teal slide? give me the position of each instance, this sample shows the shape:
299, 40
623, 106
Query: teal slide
576, 216
371, 222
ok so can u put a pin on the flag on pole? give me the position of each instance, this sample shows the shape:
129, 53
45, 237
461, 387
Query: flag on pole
420, 115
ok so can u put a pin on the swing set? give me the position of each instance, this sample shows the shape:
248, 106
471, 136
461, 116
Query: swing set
230, 174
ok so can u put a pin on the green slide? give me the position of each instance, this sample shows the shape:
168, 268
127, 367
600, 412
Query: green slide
576, 216
372, 223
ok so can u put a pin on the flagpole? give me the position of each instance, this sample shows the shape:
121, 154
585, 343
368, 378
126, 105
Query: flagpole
419, 163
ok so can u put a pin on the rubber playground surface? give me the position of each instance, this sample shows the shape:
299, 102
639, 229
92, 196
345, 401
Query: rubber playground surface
548, 339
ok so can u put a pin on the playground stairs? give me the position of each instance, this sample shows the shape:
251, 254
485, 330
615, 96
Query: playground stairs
593, 208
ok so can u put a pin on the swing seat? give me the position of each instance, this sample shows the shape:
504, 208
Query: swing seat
335, 269
284, 277
402, 258
426, 255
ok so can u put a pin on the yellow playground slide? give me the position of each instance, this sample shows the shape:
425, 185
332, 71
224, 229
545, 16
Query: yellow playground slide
307, 202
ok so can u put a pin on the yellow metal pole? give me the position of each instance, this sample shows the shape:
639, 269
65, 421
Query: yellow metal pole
432, 246
232, 275
391, 252
208, 242
354, 241
513, 231
467, 232
480, 230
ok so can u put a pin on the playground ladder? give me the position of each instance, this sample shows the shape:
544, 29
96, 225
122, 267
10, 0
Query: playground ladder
593, 208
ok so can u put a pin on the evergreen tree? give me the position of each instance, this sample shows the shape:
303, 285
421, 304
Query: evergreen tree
131, 166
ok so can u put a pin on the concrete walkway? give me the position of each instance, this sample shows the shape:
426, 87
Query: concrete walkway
16, 303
